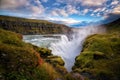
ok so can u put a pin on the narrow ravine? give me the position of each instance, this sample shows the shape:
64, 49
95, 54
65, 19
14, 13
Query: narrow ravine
68, 49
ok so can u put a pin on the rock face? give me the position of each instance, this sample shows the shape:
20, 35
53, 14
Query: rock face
32, 26
100, 57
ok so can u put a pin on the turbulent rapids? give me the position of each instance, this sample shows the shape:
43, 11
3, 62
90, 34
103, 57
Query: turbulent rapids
67, 48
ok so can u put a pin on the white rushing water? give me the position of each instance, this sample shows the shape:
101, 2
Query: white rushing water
62, 46
69, 49
41, 40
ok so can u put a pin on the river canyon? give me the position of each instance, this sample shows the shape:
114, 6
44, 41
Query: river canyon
62, 45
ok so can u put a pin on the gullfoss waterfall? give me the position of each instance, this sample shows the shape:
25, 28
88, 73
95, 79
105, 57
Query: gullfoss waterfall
68, 49
61, 45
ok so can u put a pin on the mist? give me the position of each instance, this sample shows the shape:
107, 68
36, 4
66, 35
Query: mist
68, 49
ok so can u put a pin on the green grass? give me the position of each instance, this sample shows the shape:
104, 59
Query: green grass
100, 57
20, 61
23, 61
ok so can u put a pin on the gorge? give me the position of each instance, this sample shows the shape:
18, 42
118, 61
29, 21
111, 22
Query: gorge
59, 39
67, 48
90, 51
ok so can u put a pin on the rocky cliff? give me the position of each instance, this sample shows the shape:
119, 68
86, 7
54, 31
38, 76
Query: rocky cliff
32, 26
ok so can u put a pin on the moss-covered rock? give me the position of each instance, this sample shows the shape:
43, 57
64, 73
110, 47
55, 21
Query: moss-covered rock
44, 52
56, 61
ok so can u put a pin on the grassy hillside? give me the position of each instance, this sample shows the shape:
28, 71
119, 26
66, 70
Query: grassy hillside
100, 57
32, 26
20, 61
23, 61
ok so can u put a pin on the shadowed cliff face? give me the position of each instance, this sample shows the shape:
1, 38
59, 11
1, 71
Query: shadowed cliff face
31, 26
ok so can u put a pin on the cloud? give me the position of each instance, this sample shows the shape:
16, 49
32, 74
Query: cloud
59, 12
116, 10
22, 6
98, 14
61, 20
56, 4
13, 4
54, 13
84, 2
85, 6
71, 9
64, 11
112, 15
97, 10
60, 1
104, 10
85, 11
38, 9
44, 1
115, 2
92, 14
92, 2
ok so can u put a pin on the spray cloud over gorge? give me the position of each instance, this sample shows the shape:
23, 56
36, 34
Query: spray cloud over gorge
67, 48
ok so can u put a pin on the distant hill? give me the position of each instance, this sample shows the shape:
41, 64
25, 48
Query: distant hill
31, 26
113, 26
84, 23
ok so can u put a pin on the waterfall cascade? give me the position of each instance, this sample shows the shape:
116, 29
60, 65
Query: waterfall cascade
61, 45
68, 49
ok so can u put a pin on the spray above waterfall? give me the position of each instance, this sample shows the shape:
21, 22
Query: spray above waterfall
69, 49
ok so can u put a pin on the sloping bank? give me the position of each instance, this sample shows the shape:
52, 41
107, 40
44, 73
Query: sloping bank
100, 57
23, 61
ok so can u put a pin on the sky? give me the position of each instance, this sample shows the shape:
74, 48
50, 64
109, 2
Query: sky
68, 12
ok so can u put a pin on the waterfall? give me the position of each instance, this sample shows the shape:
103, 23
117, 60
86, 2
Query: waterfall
68, 49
